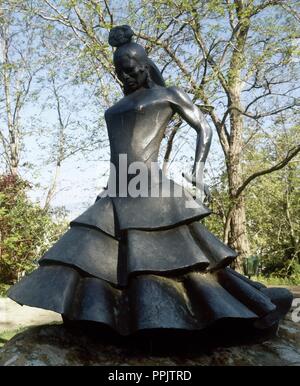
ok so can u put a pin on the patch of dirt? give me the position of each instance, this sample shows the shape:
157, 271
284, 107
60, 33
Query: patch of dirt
14, 316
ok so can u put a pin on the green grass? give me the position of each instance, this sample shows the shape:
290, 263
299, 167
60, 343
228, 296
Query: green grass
274, 280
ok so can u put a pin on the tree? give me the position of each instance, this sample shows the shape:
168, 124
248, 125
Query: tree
26, 232
42, 65
274, 215
272, 204
19, 64
244, 71
238, 58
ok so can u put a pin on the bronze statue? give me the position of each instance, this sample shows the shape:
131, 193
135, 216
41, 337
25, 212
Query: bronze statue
145, 262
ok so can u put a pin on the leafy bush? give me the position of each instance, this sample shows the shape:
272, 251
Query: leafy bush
3, 289
273, 218
26, 230
294, 279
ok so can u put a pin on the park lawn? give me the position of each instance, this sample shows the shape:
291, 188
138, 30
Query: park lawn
274, 280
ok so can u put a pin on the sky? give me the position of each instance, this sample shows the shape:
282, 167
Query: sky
83, 176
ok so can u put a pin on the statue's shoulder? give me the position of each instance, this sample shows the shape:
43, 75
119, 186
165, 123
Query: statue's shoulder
177, 96
116, 105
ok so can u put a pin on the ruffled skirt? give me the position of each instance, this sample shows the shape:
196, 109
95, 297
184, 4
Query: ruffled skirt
135, 274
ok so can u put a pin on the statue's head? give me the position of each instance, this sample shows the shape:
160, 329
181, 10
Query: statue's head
133, 67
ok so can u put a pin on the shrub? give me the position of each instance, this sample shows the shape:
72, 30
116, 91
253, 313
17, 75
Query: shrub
26, 230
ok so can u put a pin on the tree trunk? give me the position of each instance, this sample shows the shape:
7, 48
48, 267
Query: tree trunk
238, 238
237, 234
12, 149
52, 188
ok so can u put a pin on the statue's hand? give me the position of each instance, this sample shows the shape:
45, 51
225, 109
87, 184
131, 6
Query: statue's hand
191, 178
202, 189
206, 194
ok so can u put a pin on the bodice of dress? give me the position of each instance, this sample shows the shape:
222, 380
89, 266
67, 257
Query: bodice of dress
136, 125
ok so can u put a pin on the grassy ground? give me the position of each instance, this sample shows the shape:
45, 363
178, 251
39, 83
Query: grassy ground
275, 281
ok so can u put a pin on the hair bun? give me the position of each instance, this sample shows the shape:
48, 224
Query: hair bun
120, 35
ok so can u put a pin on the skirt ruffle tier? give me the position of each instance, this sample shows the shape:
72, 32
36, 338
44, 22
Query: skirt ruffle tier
134, 275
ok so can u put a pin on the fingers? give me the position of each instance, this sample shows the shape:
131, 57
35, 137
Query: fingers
202, 189
207, 193
189, 178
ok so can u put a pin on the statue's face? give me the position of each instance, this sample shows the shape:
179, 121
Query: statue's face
131, 73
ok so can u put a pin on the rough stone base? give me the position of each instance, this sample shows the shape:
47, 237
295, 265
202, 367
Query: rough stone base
54, 345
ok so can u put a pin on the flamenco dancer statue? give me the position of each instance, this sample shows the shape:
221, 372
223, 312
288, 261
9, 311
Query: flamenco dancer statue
144, 262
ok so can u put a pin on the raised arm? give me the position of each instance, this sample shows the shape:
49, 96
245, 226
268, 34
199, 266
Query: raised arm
182, 104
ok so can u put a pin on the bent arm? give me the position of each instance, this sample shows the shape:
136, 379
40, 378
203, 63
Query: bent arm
182, 104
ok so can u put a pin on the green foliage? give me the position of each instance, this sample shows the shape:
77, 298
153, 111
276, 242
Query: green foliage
272, 206
274, 280
3, 289
26, 230
273, 225
195, 42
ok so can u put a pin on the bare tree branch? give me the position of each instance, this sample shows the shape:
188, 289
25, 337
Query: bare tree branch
109, 13
265, 5
290, 155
